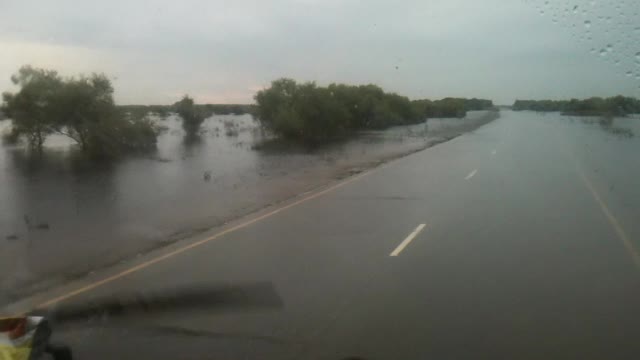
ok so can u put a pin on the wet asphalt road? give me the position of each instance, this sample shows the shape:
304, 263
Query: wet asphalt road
529, 251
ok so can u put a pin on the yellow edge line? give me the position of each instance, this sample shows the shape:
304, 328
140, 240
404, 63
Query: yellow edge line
193, 245
613, 221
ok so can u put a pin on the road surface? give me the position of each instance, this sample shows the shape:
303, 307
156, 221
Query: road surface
517, 241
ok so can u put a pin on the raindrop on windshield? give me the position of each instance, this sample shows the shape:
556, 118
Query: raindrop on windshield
587, 24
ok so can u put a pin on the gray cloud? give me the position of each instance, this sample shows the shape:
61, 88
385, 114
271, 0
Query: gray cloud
225, 51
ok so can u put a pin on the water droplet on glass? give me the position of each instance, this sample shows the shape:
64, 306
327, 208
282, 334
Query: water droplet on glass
638, 56
587, 24
603, 52
629, 73
575, 9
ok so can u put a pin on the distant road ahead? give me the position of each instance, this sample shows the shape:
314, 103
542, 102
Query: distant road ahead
517, 241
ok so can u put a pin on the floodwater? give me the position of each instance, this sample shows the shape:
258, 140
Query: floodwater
61, 216
531, 247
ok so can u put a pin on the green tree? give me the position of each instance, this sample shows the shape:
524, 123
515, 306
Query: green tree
83, 108
120, 134
315, 114
192, 118
31, 108
320, 114
275, 106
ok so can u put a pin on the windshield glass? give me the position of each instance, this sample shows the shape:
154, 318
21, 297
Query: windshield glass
322, 179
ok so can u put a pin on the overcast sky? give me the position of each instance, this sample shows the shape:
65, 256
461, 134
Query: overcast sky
224, 51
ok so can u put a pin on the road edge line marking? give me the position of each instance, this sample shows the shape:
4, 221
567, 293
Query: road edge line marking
407, 240
622, 235
185, 248
471, 174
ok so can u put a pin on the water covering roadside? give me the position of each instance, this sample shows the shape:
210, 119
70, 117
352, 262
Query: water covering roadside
61, 216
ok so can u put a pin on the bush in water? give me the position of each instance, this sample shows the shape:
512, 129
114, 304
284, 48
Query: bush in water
313, 114
81, 108
191, 116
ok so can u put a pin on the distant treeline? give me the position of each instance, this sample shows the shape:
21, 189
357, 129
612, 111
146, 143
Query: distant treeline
310, 113
229, 109
451, 107
205, 109
595, 106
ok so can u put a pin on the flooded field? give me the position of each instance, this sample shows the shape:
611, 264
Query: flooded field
61, 216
